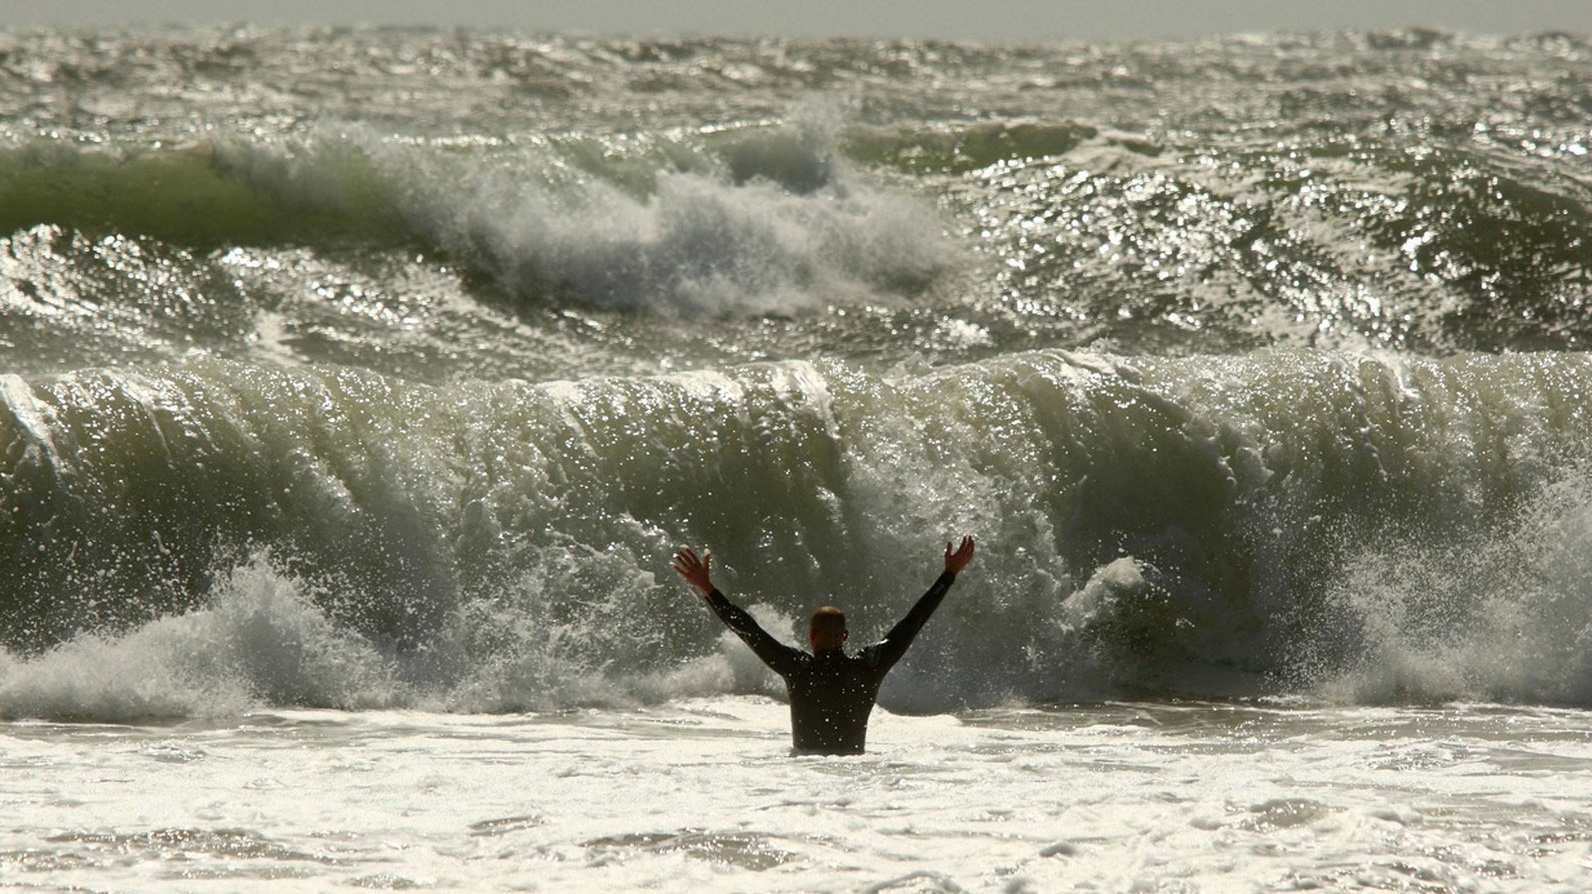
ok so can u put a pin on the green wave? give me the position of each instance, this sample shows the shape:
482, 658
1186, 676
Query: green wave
204, 195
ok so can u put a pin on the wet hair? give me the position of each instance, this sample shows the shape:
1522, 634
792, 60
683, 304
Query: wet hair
828, 628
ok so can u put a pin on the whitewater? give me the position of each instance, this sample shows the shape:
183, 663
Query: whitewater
356, 386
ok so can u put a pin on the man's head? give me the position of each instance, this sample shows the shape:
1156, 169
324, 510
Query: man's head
828, 630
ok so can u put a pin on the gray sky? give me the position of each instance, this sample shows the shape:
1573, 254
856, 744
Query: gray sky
991, 20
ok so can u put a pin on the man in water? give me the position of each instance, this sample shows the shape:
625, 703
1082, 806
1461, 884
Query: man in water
831, 693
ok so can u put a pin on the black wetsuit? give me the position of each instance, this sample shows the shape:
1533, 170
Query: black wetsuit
831, 693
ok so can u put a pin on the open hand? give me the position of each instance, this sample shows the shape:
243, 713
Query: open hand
956, 561
695, 570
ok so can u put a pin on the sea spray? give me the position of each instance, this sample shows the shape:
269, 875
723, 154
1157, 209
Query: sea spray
1501, 614
259, 641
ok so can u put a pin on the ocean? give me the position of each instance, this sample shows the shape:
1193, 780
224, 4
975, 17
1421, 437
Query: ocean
356, 386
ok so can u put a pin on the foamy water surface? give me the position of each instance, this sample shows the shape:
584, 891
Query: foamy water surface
1115, 797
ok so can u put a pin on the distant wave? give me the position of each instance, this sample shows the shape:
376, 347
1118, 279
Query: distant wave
696, 243
1427, 243
761, 223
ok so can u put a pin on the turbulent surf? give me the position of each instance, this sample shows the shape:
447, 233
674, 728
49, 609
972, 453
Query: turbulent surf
386, 368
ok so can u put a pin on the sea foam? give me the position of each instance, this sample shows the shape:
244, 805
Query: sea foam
775, 230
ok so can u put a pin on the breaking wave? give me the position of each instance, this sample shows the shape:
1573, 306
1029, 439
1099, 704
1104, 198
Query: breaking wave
1373, 528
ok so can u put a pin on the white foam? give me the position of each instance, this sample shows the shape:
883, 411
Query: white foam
260, 642
697, 244
702, 795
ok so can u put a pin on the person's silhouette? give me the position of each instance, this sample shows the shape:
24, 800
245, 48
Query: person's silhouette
831, 693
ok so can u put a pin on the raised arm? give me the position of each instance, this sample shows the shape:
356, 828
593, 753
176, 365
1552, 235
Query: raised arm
778, 656
889, 650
